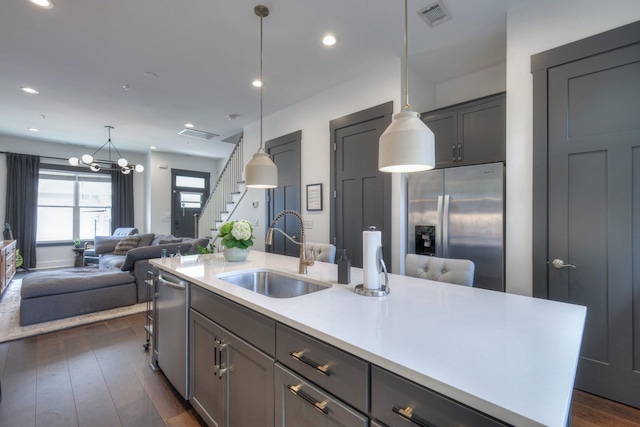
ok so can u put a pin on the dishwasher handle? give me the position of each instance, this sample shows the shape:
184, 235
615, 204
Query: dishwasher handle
172, 281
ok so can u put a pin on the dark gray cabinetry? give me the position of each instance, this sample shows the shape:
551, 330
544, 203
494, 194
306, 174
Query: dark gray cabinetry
299, 403
340, 373
396, 401
231, 379
470, 133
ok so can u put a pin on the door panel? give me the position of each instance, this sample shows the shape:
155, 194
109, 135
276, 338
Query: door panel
362, 193
285, 153
189, 191
594, 135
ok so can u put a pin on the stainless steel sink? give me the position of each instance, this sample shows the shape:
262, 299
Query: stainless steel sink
274, 285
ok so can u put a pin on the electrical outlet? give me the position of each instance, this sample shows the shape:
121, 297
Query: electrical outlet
308, 224
256, 222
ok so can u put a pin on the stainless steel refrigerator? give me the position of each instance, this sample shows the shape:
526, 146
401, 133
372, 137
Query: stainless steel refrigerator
459, 213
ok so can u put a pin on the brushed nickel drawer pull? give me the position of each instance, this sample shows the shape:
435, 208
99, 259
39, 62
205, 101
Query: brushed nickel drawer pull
323, 369
407, 414
319, 406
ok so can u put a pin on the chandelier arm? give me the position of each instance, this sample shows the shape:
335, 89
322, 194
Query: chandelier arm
101, 147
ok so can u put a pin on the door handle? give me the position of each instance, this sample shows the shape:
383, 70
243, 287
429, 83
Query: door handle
559, 264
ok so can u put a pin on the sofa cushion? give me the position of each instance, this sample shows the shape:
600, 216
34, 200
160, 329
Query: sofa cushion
166, 242
152, 251
44, 283
126, 244
105, 244
108, 261
159, 237
145, 239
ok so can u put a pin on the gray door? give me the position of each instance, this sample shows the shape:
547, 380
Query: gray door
594, 213
285, 153
362, 193
189, 191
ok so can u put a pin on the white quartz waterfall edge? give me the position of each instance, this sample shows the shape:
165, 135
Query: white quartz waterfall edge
10, 328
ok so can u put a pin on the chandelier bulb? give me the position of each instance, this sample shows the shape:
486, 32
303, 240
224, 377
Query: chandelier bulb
74, 161
122, 162
87, 158
139, 168
94, 167
125, 171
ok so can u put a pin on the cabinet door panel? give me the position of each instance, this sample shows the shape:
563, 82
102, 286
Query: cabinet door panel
481, 133
445, 128
250, 379
207, 389
299, 408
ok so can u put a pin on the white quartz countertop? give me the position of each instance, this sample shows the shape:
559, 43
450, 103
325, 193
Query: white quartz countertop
509, 356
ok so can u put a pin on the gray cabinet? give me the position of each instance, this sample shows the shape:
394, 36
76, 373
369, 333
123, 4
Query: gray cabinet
470, 133
231, 379
396, 401
300, 403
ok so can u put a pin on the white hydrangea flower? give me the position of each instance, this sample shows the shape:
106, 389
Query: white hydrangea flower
241, 230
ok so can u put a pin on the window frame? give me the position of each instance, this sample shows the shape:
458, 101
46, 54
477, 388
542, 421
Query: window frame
76, 200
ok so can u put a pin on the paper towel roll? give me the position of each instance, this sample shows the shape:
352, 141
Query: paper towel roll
371, 241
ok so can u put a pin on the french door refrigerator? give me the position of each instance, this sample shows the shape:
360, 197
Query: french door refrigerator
459, 213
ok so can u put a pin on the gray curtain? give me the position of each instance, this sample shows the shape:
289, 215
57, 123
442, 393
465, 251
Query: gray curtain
21, 209
121, 200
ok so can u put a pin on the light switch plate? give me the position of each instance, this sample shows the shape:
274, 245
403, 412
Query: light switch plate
308, 224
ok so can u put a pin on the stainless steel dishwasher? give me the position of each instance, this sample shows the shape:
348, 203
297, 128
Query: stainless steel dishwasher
173, 321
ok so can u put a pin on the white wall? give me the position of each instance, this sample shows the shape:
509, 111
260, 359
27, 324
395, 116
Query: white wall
312, 116
158, 195
476, 85
534, 27
51, 257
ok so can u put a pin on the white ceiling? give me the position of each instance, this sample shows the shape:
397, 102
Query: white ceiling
205, 54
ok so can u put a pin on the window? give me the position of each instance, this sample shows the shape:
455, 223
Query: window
73, 205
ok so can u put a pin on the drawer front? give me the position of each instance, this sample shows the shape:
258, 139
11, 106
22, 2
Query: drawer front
253, 327
394, 401
340, 373
298, 403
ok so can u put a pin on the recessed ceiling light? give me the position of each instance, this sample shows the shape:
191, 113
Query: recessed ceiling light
153, 147
150, 74
34, 129
257, 83
126, 87
329, 40
47, 4
42, 116
188, 125
30, 90
232, 116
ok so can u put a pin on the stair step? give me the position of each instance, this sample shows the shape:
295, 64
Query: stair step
224, 216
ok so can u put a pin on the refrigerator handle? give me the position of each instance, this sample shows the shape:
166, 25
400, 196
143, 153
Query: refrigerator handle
439, 229
445, 228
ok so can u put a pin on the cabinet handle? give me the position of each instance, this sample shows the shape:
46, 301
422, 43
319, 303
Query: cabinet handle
459, 152
221, 370
407, 414
453, 148
323, 369
320, 406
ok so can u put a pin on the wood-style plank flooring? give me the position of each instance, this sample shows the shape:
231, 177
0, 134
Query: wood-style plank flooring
98, 375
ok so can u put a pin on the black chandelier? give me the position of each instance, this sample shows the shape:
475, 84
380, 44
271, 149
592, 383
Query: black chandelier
96, 165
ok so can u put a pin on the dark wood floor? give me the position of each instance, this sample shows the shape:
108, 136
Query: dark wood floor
98, 375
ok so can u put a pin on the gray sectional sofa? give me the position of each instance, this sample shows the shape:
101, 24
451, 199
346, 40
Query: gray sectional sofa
119, 280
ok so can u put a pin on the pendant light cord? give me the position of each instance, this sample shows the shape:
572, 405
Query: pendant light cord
261, 81
406, 105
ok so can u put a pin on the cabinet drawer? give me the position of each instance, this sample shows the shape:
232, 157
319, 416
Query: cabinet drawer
300, 403
391, 394
253, 327
338, 372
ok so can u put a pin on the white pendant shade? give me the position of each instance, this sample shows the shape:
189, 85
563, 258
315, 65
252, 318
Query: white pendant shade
407, 145
261, 172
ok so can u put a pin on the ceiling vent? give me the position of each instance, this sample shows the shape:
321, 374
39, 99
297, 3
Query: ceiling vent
193, 133
435, 14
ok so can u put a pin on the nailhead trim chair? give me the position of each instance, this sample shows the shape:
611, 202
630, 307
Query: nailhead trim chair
456, 271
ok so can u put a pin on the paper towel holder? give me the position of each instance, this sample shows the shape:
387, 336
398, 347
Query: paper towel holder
384, 290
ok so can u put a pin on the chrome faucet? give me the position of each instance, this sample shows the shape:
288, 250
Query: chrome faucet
304, 262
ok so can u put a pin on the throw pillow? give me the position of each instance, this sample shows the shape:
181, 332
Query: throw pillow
126, 244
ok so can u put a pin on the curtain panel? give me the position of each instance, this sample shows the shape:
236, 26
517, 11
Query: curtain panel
21, 208
121, 200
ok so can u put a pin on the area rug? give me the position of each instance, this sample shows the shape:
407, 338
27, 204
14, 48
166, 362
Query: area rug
10, 328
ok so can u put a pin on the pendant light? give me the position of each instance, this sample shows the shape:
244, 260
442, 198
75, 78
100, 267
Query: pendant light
261, 172
407, 145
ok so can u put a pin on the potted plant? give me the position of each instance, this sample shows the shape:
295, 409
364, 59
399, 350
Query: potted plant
77, 243
237, 237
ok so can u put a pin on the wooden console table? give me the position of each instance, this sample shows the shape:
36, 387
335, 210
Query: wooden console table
7, 263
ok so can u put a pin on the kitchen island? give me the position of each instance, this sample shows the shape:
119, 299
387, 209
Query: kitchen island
508, 356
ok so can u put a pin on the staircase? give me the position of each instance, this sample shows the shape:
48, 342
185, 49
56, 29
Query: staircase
226, 195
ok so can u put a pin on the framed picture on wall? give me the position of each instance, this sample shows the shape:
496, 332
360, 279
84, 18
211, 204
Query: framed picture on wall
314, 197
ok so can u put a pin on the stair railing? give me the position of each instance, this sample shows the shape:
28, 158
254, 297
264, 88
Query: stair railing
222, 194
